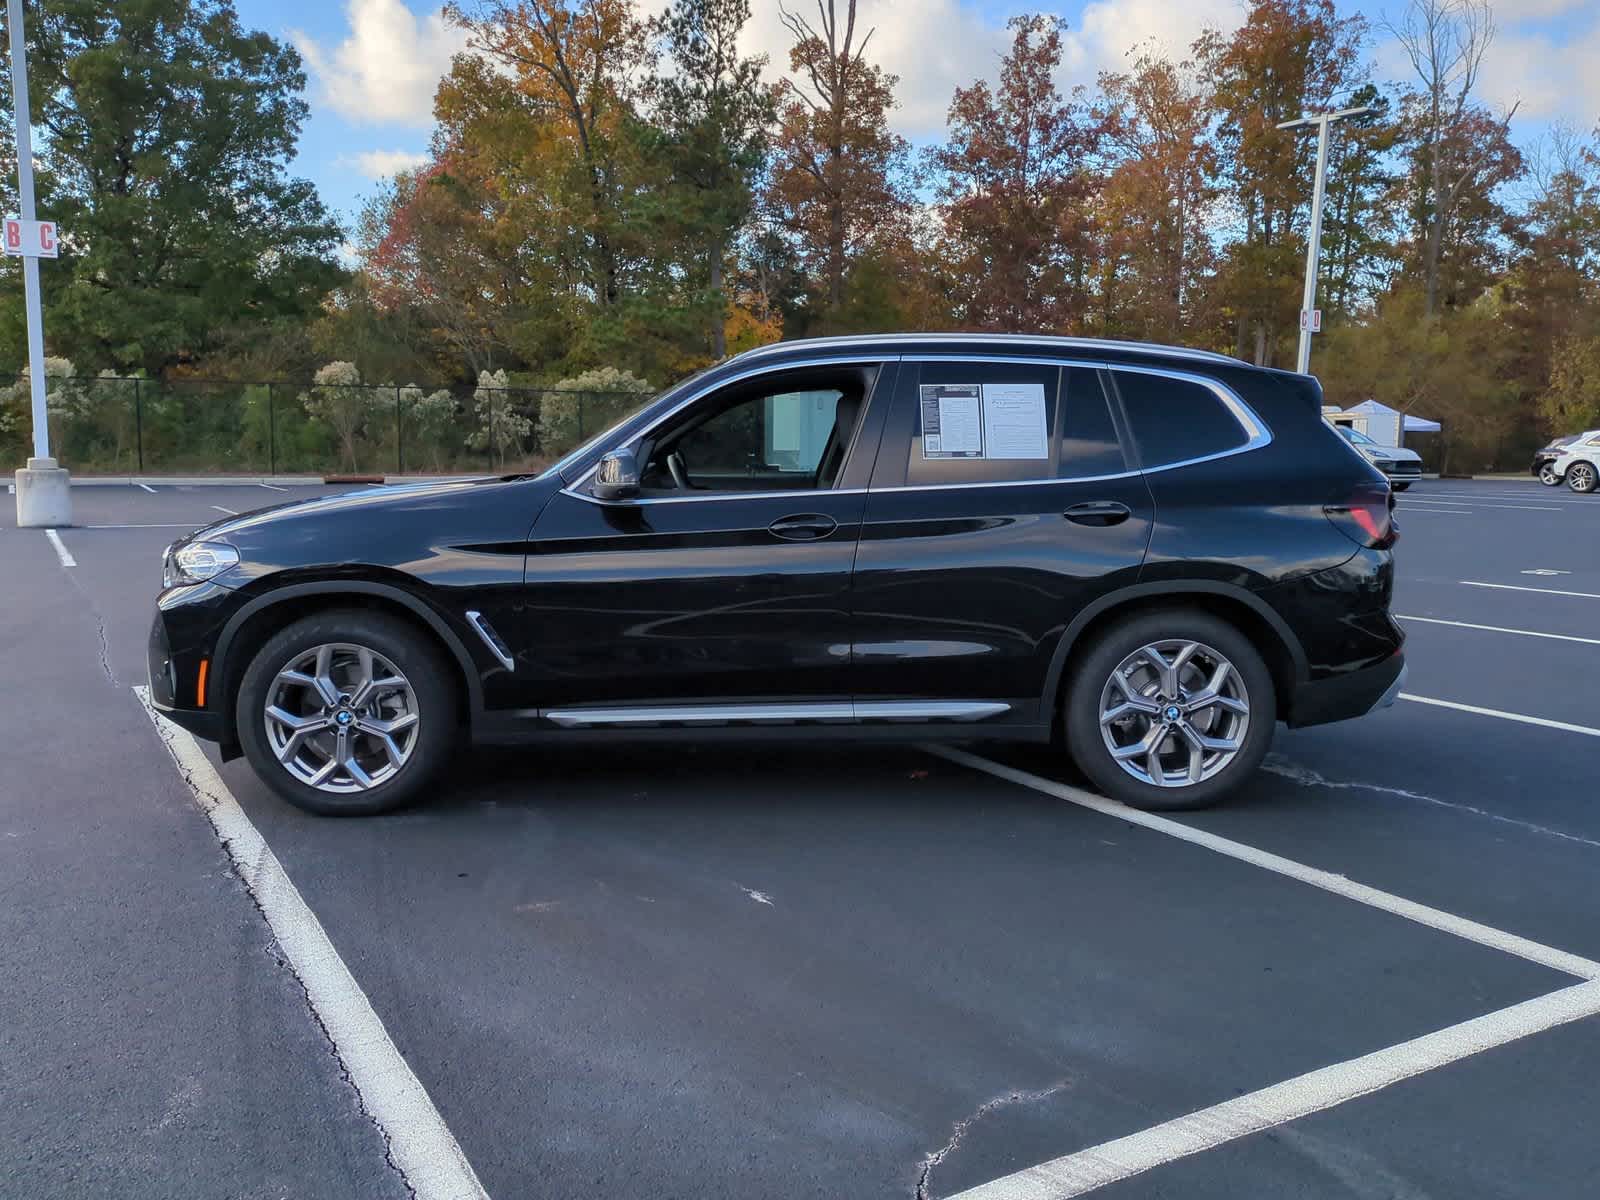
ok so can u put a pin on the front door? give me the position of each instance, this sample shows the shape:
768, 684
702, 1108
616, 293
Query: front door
1001, 505
726, 582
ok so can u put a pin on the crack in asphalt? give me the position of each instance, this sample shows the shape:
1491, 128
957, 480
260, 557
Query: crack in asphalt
207, 802
962, 1127
1306, 777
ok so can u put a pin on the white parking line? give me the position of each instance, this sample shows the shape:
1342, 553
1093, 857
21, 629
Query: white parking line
61, 551
1409, 503
1339, 885
182, 525
1520, 718
420, 1144
1449, 512
232, 512
147, 488
1559, 637
1512, 587
272, 487
1075, 1174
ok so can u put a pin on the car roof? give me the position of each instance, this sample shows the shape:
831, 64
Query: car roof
1008, 343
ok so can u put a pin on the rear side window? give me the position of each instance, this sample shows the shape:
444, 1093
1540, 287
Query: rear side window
982, 422
1089, 444
1174, 420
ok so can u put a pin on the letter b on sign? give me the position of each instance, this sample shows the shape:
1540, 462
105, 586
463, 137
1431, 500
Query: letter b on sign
13, 236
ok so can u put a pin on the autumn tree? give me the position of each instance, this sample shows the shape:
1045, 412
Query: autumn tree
710, 121
1462, 150
576, 63
1290, 57
1011, 182
1155, 208
835, 186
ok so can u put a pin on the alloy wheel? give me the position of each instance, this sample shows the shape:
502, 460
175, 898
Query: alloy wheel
1174, 713
341, 718
1581, 477
1548, 476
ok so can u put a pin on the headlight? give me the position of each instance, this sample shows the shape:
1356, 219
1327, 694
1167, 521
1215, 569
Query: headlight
195, 562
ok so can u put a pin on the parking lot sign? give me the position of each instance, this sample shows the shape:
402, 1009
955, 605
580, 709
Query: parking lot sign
1311, 320
31, 239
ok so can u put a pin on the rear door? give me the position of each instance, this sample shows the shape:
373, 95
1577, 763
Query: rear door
1001, 505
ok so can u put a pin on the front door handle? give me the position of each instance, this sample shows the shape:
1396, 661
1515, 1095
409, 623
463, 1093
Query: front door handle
806, 527
1098, 512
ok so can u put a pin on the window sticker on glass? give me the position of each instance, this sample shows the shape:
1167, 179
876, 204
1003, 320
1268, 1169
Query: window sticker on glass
1013, 420
952, 426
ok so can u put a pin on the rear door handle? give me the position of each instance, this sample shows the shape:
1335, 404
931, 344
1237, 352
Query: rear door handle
1098, 512
806, 527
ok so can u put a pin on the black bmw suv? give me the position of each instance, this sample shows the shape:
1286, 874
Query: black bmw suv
1145, 554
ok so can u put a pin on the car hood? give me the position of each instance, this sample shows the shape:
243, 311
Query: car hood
1394, 453
363, 500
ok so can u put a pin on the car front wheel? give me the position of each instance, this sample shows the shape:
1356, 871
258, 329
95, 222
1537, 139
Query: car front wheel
347, 713
1548, 476
1581, 477
1170, 710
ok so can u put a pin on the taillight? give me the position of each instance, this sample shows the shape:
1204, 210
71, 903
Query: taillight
1367, 518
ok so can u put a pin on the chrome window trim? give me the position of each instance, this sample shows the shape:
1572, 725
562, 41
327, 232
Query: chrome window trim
701, 393
1103, 345
1256, 431
744, 714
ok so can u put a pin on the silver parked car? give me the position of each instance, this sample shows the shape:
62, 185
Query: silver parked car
1400, 466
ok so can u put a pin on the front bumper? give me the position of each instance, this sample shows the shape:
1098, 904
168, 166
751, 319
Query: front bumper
1353, 694
177, 659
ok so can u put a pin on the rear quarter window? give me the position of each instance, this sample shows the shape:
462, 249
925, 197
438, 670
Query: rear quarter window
1174, 420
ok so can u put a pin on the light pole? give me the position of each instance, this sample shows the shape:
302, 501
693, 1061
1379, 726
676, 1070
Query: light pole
1308, 304
44, 495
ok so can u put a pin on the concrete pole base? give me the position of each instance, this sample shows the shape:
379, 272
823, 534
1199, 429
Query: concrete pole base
44, 495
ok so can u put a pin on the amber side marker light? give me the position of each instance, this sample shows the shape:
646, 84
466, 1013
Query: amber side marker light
200, 684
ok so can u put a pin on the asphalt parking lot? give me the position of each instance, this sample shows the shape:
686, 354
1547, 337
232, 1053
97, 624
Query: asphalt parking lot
684, 972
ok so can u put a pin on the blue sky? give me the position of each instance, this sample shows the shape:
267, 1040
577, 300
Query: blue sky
374, 63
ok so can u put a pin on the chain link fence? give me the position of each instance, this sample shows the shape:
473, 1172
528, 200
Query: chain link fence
121, 425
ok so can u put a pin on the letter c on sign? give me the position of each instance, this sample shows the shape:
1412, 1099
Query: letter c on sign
47, 236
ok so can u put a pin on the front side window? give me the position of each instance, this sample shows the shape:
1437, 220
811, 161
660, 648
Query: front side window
1175, 420
787, 435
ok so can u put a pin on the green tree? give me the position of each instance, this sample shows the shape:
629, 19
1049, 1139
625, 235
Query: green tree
1572, 401
710, 122
165, 130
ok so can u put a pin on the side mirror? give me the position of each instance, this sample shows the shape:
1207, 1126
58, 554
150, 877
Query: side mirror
617, 477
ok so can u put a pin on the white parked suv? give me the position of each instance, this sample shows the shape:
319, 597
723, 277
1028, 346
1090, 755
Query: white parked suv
1400, 466
1578, 462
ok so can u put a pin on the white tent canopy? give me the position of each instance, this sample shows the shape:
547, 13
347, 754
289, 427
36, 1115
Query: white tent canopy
1371, 408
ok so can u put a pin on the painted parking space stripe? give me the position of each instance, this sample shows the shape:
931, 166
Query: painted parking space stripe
147, 488
1410, 503
420, 1145
62, 552
180, 525
1559, 637
1513, 587
1520, 718
232, 512
1339, 885
1450, 512
272, 487
1076, 1174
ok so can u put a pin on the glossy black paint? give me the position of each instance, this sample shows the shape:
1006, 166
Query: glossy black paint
872, 589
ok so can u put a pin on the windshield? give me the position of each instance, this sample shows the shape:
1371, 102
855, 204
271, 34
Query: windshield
1355, 436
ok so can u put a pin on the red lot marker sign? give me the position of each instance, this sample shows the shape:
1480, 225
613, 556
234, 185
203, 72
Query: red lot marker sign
30, 239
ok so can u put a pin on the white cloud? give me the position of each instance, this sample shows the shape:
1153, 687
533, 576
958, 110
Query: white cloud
1550, 76
1110, 29
381, 164
387, 69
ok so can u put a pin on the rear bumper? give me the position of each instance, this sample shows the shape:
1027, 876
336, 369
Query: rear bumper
1354, 694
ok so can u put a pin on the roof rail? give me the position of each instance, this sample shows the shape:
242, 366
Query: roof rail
1049, 341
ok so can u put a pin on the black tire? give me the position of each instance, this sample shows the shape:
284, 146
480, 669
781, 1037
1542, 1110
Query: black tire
417, 659
1582, 477
1399, 487
1091, 674
1547, 476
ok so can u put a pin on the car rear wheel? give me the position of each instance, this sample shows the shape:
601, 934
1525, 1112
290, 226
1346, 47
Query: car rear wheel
1170, 710
1548, 476
1581, 477
347, 713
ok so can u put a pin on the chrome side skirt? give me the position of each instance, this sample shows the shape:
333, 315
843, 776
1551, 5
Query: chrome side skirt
844, 712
